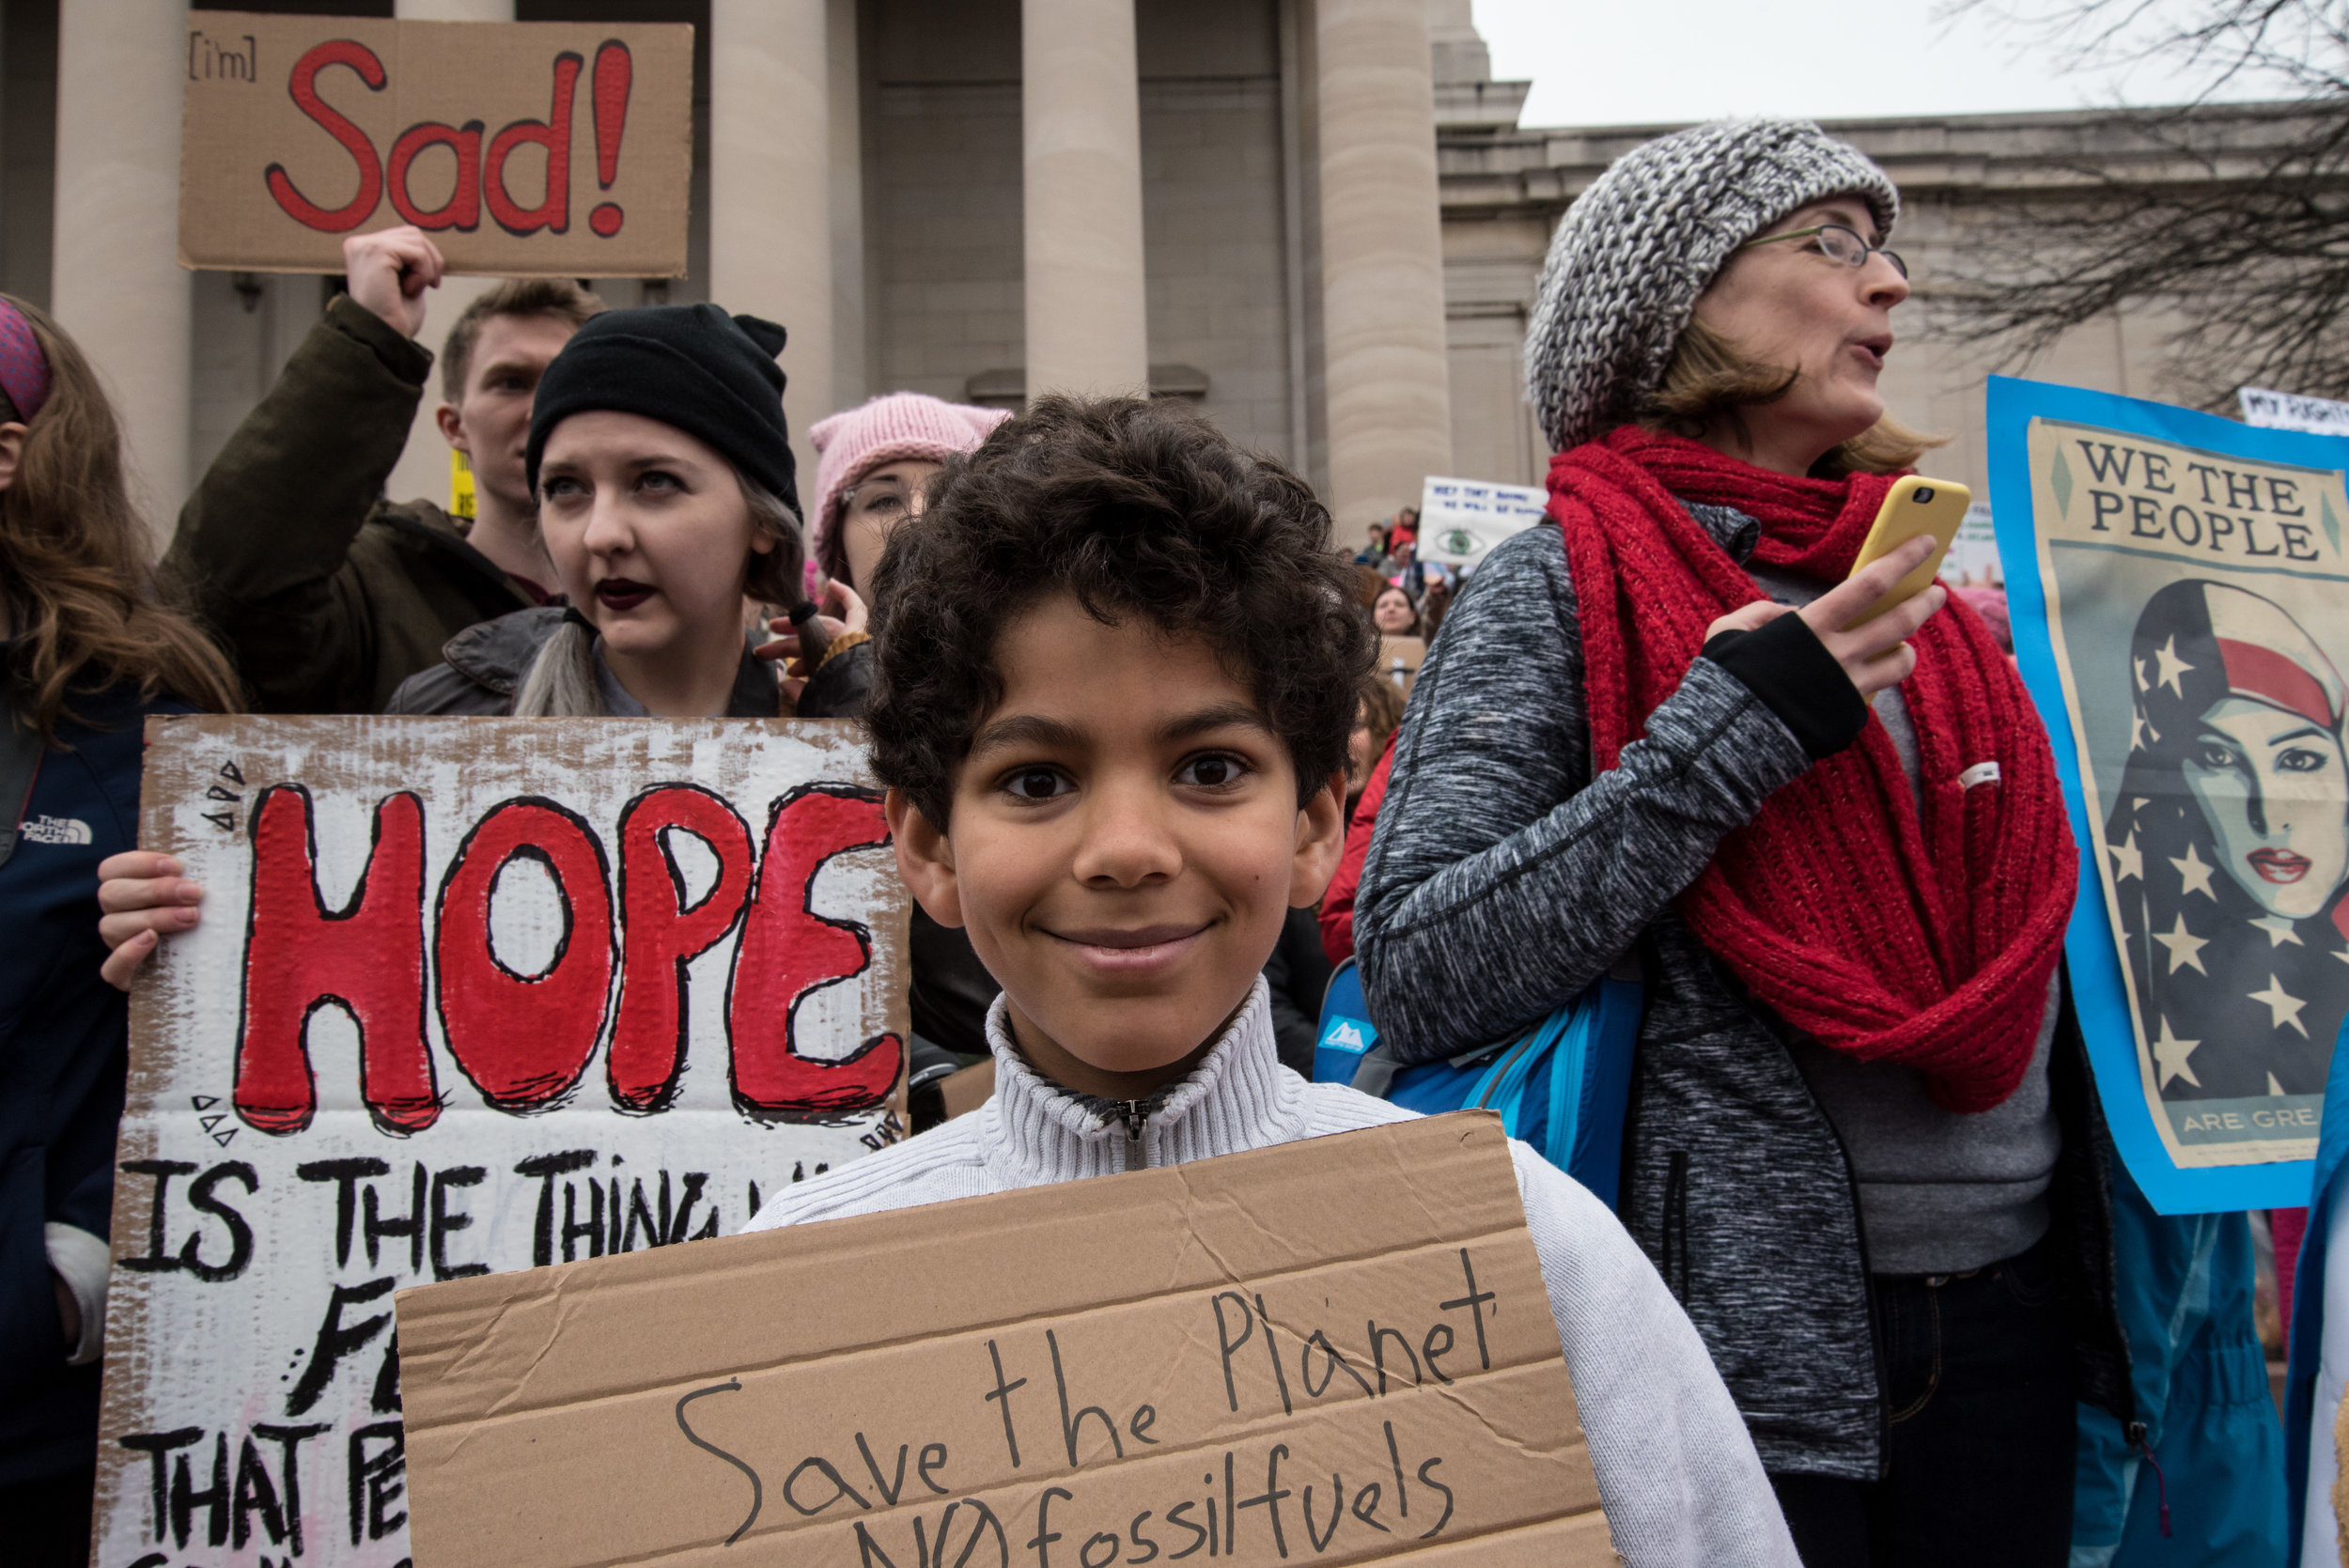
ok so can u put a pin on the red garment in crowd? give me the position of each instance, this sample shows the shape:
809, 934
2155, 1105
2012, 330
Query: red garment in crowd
1337, 905
1925, 938
2287, 1229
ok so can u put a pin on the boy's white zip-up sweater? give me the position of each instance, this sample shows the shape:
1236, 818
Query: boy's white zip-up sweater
1679, 1476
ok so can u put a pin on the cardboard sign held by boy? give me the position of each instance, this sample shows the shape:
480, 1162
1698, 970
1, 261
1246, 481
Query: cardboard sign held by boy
1116, 666
986, 1381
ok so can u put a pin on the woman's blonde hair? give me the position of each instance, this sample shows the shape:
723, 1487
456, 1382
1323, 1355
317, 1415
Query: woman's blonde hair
561, 681
84, 606
1712, 381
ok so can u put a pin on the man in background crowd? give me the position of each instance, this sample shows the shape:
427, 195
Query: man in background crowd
326, 592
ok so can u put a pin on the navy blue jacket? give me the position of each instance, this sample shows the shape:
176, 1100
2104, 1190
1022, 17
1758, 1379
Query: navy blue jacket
62, 1055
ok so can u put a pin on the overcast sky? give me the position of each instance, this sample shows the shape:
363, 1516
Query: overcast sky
1608, 62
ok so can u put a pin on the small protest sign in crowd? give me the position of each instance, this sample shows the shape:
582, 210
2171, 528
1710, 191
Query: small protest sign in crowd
1009, 1000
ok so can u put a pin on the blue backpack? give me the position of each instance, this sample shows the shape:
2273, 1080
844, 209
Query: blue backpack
1564, 1086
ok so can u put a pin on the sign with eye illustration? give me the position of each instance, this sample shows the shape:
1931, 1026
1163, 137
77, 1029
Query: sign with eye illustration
1461, 520
2180, 597
469, 996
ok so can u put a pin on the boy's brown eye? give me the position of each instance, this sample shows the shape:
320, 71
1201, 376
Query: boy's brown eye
1035, 783
1211, 772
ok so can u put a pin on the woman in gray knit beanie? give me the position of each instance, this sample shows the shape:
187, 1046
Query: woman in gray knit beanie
1617, 332
1651, 734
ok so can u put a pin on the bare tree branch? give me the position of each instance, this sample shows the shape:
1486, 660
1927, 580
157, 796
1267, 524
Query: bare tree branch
2236, 217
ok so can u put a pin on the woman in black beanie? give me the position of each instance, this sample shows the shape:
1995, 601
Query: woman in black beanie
666, 496
666, 488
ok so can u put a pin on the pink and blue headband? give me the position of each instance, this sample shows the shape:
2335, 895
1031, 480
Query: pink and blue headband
24, 368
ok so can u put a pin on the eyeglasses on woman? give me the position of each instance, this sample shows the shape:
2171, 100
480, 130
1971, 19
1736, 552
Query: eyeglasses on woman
1837, 243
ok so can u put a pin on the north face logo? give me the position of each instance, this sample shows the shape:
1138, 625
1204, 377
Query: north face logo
56, 830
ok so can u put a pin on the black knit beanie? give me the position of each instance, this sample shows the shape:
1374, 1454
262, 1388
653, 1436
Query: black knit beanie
711, 375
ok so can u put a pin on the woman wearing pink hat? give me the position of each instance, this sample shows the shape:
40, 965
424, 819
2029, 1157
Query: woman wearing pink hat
872, 465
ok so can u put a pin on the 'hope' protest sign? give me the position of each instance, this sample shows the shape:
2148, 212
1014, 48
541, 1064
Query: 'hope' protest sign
468, 995
1334, 1350
526, 149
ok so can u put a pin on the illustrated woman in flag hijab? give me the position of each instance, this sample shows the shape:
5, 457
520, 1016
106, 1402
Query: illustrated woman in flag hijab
2229, 845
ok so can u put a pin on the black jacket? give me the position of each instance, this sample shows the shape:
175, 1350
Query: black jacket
482, 667
63, 1033
326, 595
1298, 972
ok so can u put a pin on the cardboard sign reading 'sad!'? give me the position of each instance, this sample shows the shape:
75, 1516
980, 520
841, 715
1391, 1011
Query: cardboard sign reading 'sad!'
1328, 1351
525, 149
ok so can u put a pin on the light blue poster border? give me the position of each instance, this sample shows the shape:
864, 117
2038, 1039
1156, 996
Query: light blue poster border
2099, 991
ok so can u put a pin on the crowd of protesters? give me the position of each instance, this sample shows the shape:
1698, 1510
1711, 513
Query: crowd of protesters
1876, 1289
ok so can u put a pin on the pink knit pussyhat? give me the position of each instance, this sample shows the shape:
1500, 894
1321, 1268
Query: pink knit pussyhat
888, 429
24, 368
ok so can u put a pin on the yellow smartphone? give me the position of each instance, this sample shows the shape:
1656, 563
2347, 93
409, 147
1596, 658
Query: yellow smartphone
1915, 505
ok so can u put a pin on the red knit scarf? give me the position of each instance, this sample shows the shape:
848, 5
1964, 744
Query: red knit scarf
1897, 935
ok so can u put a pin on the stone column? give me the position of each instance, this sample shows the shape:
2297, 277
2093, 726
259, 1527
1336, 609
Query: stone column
1388, 394
423, 471
1080, 112
849, 325
115, 279
770, 188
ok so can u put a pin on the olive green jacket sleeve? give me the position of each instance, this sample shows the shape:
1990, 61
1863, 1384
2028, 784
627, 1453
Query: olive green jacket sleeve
265, 543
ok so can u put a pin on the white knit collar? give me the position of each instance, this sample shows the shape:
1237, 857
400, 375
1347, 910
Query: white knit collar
1033, 1131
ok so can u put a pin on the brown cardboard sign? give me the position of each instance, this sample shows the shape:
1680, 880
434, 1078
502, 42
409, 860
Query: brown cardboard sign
1399, 659
962, 1092
526, 149
468, 995
1333, 1351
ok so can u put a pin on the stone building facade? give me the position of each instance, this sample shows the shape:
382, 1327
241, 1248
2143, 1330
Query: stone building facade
1233, 201
1318, 219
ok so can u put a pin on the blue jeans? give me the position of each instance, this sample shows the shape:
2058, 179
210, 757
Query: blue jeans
1980, 1416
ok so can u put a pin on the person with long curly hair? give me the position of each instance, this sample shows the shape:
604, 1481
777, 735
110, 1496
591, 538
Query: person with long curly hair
88, 650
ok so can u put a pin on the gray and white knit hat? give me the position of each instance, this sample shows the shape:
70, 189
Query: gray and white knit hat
1636, 249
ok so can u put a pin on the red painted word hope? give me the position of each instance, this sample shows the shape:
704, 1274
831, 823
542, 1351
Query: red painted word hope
524, 1040
480, 164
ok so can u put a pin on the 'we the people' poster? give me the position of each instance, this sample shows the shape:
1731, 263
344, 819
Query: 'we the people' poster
2180, 597
468, 995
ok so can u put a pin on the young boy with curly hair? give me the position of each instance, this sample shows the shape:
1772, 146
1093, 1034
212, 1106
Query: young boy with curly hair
1116, 667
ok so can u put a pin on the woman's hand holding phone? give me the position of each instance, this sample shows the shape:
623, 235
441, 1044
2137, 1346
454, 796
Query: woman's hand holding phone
850, 615
1875, 654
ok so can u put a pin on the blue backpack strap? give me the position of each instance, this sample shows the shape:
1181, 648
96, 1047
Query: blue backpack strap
1564, 1085
1346, 1035
1606, 1048
1504, 1086
1567, 1119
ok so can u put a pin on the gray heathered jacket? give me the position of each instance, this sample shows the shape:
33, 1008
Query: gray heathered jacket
1503, 879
